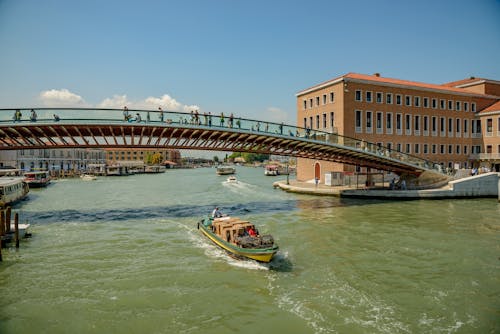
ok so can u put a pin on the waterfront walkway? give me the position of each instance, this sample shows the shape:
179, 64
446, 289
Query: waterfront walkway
484, 185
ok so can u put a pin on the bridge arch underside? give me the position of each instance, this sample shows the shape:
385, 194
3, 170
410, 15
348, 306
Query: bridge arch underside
59, 135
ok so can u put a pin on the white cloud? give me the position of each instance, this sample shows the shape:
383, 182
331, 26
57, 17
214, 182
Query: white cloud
115, 102
276, 115
61, 98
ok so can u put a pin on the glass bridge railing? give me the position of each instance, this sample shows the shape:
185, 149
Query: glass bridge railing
203, 120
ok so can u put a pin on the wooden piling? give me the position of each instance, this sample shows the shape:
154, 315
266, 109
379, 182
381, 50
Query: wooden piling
16, 228
8, 214
2, 222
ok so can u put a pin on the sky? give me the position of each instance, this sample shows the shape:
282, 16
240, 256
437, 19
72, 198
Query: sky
249, 58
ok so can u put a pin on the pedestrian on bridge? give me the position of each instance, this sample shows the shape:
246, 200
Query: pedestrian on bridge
126, 115
33, 115
222, 119
161, 114
209, 118
17, 116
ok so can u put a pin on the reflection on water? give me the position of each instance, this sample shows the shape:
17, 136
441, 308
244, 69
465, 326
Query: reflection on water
124, 255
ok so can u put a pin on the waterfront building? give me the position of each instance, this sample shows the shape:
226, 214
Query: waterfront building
456, 124
169, 157
54, 159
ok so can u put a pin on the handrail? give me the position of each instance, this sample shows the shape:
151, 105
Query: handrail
213, 121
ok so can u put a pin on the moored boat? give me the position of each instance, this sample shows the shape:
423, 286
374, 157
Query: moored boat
88, 177
37, 179
239, 238
271, 170
12, 189
22, 228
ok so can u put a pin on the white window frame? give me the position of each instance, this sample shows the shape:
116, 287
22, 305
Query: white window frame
332, 97
466, 106
324, 99
450, 130
408, 100
389, 119
458, 106
425, 102
370, 94
358, 129
442, 126
473, 107
379, 130
360, 92
465, 128
408, 122
389, 98
425, 149
435, 103
377, 94
416, 148
425, 132
416, 101
442, 104
434, 121
400, 117
305, 104
458, 127
400, 98
369, 116
450, 105
416, 123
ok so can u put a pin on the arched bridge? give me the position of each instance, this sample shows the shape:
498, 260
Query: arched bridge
104, 128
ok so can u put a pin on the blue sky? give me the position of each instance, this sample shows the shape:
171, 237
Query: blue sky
245, 57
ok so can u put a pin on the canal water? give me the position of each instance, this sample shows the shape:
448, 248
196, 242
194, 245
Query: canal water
123, 255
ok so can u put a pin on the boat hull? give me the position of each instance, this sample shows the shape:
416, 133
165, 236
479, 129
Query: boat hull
258, 254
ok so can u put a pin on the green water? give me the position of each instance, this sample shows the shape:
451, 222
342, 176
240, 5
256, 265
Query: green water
123, 255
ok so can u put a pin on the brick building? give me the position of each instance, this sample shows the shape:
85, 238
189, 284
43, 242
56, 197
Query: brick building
456, 124
114, 155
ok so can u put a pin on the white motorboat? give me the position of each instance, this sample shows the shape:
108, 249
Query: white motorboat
232, 179
23, 229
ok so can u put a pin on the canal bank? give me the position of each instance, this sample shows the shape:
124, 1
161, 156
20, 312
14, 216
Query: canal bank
479, 186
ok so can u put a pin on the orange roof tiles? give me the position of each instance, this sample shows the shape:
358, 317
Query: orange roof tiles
493, 107
463, 82
383, 80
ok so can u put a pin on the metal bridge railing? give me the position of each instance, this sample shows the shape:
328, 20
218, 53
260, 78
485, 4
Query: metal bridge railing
203, 120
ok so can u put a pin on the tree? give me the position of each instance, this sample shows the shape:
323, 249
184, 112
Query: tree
216, 159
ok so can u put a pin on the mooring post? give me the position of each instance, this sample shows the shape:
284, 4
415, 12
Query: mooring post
8, 214
16, 228
2, 222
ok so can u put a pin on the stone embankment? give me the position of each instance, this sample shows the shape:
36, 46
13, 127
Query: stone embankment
484, 185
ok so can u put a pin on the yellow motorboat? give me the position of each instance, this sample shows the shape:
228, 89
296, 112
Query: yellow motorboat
239, 238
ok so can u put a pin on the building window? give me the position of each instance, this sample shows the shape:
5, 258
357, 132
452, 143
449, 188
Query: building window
458, 106
426, 102
317, 100
331, 119
305, 104
317, 121
473, 107
450, 149
457, 126
450, 105
310, 122
358, 121
408, 148
466, 106
388, 123
305, 122
368, 96
398, 147
442, 104
408, 124
457, 149
368, 122
408, 100
379, 122
417, 123
434, 150
442, 126
416, 149
399, 100
426, 125
310, 103
465, 149
357, 96
332, 97
324, 120
441, 149
388, 98
426, 149
434, 103
324, 98
489, 126
399, 128
416, 101
450, 127
466, 128
379, 97
389, 146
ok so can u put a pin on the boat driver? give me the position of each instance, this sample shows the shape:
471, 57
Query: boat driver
216, 213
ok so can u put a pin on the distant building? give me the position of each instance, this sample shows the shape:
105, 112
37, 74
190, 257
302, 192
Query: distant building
65, 159
169, 157
456, 124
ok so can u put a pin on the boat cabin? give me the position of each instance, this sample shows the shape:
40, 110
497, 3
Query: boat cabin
229, 228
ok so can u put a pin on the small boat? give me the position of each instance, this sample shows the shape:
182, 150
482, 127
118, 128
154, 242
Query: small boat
88, 177
239, 238
23, 229
225, 170
232, 179
12, 189
37, 179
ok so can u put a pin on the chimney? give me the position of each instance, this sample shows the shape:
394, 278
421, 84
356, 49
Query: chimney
377, 74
